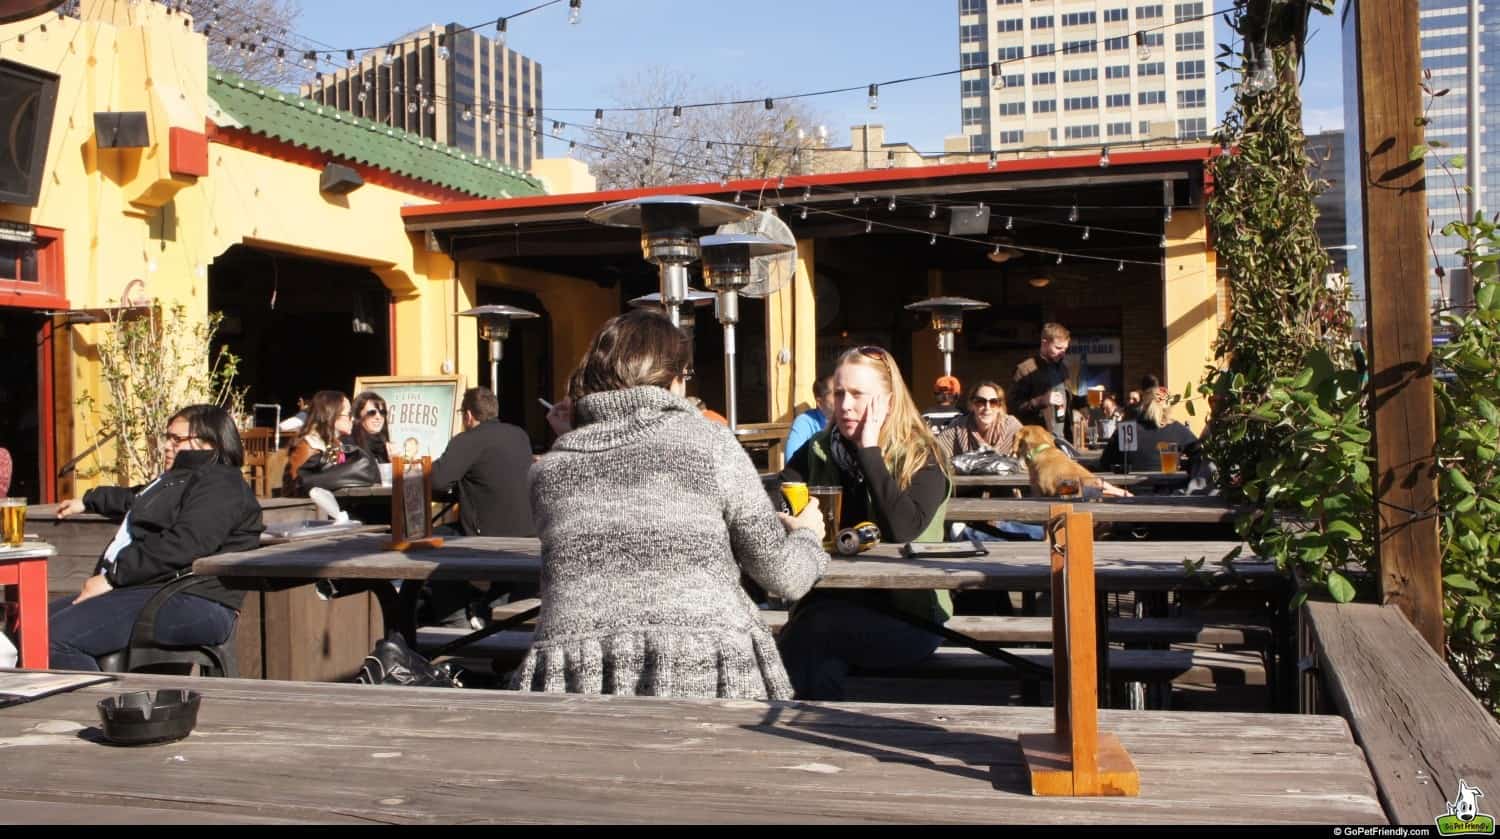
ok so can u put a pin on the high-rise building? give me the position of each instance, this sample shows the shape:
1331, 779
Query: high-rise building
1444, 26
460, 88
1079, 73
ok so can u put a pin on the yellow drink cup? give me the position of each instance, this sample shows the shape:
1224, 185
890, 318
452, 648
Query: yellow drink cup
795, 494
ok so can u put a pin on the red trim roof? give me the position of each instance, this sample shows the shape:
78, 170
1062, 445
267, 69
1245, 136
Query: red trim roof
1179, 154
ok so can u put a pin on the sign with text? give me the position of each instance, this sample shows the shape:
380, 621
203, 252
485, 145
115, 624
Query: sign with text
422, 411
1095, 350
1129, 436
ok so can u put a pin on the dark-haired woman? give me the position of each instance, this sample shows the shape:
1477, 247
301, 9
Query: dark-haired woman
199, 506
648, 513
321, 444
370, 431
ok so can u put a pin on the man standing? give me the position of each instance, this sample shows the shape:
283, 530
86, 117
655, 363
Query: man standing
489, 461
1040, 392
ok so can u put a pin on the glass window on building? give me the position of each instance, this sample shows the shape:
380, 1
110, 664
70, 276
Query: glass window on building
1192, 129
971, 60
1041, 22
1117, 15
1010, 109
1117, 71
1118, 129
1145, 12
1081, 74
1078, 19
970, 7
1117, 100
1010, 138
1044, 106
1114, 44
1151, 97
1010, 24
1188, 70
1081, 103
1188, 11
971, 87
1052, 135
975, 116
1014, 80
1044, 78
1010, 53
1189, 41
1152, 68
1007, 2
1081, 132
972, 33
1042, 49
1153, 39
1192, 98
1075, 47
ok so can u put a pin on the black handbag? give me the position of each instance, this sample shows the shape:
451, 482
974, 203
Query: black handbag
392, 662
359, 469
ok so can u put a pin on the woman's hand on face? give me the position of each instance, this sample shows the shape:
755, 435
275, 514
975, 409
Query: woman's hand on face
878, 408
809, 519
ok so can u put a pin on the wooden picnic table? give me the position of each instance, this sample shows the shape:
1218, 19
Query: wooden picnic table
1022, 480
297, 752
1138, 510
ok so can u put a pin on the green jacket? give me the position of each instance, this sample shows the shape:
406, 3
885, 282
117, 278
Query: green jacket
936, 606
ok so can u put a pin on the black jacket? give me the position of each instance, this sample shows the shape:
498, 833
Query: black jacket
198, 508
1146, 458
490, 463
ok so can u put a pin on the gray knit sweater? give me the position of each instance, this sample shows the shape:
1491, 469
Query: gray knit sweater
647, 514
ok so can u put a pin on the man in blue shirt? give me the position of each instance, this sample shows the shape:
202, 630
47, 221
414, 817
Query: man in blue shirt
813, 420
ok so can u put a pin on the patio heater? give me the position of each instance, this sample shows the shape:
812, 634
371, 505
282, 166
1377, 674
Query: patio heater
726, 272
695, 298
669, 226
494, 326
948, 320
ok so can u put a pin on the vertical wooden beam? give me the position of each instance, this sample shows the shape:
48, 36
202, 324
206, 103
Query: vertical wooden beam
1396, 268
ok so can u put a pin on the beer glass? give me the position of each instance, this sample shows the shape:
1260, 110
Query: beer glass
12, 521
1096, 396
1169, 458
831, 505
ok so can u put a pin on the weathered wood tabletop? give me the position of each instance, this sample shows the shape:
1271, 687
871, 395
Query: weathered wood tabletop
1022, 480
1119, 565
1138, 510
273, 752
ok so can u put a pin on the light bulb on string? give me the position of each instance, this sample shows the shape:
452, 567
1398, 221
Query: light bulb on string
869, 225
500, 27
1073, 214
807, 193
933, 240
994, 160
1085, 234
349, 54
736, 196
280, 59
1167, 213
1163, 242
932, 211
41, 32
874, 100
598, 117
856, 199
803, 214
431, 107
1059, 258
891, 205
1010, 222
557, 128
676, 116
997, 81
20, 43
575, 11
390, 55
530, 118
1142, 49
1121, 266
770, 104
309, 58
1104, 158
468, 115
411, 107
443, 47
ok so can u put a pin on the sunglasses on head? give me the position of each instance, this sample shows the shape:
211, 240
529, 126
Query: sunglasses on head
980, 402
872, 351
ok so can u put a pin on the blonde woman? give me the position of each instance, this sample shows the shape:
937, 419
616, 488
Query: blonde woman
1154, 425
986, 426
895, 474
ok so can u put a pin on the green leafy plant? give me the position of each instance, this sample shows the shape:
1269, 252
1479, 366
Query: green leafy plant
154, 361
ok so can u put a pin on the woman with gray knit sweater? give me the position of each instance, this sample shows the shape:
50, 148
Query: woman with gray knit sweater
648, 513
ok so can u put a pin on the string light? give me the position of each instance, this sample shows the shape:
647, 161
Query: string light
468, 115
869, 225
994, 159
1120, 267
933, 240
443, 47
997, 80
1167, 213
575, 11
676, 116
1143, 50
530, 118
598, 117
770, 105
500, 26
803, 214
874, 96
1104, 158
1085, 234
557, 129
892, 205
807, 193
1073, 214
349, 55
856, 199
1010, 222
932, 211
1164, 241
1059, 258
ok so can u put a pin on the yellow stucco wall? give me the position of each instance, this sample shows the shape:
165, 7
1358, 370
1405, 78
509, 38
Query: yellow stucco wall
1190, 309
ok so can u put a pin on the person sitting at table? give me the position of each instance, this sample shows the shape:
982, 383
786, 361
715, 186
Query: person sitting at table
1154, 425
487, 462
329, 420
945, 393
199, 506
648, 514
370, 432
986, 426
893, 473
814, 419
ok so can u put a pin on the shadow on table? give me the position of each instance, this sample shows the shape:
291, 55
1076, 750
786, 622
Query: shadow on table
973, 755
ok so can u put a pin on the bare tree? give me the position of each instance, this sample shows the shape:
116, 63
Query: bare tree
652, 147
254, 39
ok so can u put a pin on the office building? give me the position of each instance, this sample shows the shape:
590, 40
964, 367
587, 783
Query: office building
460, 88
1081, 73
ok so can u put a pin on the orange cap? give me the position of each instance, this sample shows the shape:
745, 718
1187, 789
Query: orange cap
947, 384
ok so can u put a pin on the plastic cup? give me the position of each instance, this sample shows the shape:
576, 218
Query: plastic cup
795, 493
831, 505
12, 521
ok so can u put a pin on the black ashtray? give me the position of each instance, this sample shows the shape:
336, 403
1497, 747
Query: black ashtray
135, 719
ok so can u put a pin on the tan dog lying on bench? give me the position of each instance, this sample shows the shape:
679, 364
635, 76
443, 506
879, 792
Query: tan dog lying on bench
1049, 466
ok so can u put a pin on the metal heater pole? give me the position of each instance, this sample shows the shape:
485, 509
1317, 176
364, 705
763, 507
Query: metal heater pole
727, 308
674, 289
495, 349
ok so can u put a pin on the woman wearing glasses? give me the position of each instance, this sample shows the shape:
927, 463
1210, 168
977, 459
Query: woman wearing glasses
370, 431
895, 474
199, 506
986, 426
648, 514
328, 421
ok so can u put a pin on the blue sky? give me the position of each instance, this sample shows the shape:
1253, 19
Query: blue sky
764, 48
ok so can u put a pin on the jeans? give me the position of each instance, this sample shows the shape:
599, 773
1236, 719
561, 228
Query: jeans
101, 625
829, 633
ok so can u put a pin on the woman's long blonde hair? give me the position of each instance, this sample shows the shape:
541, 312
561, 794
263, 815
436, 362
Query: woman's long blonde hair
1156, 408
906, 444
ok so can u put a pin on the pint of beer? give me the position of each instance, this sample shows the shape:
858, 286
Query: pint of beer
1169, 456
1096, 396
12, 521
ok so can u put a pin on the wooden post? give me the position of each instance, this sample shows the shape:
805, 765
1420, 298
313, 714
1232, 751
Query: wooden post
1396, 268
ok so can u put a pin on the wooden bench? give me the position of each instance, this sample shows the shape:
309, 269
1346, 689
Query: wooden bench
1420, 728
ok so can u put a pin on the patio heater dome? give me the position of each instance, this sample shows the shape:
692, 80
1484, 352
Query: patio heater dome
695, 299
727, 272
669, 226
948, 320
494, 327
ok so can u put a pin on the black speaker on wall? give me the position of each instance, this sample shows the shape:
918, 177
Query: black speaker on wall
339, 180
28, 98
121, 129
